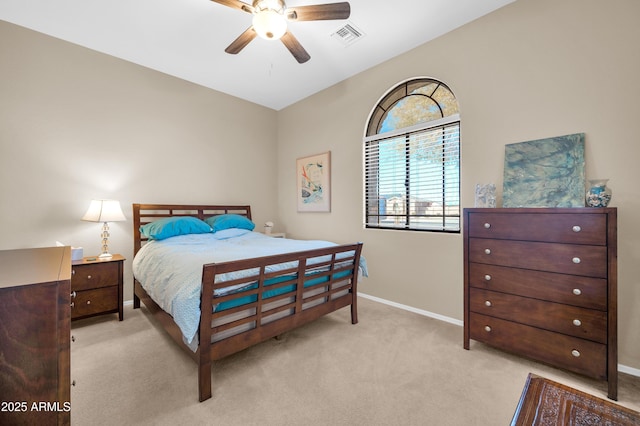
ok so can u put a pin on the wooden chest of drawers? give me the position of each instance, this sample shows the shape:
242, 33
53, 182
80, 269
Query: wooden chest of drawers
35, 336
96, 287
542, 283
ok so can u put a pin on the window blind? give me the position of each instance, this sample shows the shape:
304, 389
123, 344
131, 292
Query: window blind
412, 179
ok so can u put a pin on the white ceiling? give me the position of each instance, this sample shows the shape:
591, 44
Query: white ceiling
187, 38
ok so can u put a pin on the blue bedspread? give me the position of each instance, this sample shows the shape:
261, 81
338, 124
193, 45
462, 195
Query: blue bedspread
170, 270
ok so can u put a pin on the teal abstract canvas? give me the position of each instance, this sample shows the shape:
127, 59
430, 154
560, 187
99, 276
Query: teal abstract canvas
545, 173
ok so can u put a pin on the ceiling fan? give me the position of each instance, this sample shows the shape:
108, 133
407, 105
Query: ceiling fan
270, 22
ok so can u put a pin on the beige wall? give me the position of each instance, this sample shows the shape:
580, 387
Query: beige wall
534, 69
75, 125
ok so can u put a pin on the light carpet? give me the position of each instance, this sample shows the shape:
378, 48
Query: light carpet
393, 368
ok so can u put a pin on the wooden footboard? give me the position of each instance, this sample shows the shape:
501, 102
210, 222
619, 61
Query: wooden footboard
306, 286
316, 283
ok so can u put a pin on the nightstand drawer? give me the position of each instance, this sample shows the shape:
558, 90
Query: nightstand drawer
94, 275
90, 302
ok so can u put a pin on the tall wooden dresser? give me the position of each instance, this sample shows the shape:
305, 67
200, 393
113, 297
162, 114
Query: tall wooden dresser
35, 328
542, 283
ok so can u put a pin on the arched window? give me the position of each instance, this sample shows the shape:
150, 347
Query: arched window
412, 159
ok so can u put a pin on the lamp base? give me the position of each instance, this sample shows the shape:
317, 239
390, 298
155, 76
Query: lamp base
105, 256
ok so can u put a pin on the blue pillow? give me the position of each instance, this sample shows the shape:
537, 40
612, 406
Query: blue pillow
227, 221
171, 226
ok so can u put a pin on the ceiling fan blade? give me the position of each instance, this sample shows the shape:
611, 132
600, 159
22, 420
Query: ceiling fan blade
235, 4
241, 42
319, 12
295, 48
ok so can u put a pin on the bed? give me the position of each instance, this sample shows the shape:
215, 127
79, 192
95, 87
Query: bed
238, 300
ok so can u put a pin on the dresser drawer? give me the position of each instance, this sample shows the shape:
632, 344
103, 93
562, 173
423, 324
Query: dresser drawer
589, 261
94, 275
574, 290
574, 354
579, 322
91, 302
545, 227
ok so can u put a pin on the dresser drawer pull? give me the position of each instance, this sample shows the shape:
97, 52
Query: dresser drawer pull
487, 303
577, 291
487, 251
73, 294
88, 277
576, 260
576, 228
577, 322
72, 304
88, 302
487, 329
487, 277
487, 225
575, 353
73, 272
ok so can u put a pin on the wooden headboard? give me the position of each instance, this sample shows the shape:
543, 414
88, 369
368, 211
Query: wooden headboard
146, 213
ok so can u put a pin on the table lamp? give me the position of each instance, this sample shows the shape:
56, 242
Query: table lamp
104, 211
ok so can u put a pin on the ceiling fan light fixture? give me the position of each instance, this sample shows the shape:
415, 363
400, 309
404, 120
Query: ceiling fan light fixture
270, 24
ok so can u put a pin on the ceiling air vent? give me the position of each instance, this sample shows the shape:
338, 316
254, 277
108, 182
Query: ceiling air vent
348, 34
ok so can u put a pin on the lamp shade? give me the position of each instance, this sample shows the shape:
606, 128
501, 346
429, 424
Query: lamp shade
104, 211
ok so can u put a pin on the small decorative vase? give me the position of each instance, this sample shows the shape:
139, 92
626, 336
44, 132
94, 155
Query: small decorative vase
598, 194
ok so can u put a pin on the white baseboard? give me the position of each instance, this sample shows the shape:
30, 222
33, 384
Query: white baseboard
412, 309
629, 370
621, 368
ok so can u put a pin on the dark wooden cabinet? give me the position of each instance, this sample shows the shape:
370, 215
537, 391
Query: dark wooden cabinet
96, 287
35, 329
542, 283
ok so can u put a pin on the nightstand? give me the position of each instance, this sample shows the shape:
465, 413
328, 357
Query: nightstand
96, 286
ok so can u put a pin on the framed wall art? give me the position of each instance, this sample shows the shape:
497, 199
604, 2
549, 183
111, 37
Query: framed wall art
545, 173
314, 183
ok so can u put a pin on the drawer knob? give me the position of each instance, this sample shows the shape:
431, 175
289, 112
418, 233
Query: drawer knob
487, 329
576, 228
577, 322
577, 291
487, 225
576, 260
88, 302
487, 277
487, 251
73, 272
487, 303
88, 277
73, 294
575, 353
72, 304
